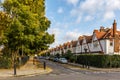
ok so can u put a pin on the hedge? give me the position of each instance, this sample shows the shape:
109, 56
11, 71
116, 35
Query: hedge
101, 61
6, 62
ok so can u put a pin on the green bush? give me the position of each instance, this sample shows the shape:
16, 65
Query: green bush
68, 55
73, 58
102, 61
5, 62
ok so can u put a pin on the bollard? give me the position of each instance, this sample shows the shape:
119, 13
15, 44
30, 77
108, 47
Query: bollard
88, 65
33, 60
82, 65
14, 68
44, 65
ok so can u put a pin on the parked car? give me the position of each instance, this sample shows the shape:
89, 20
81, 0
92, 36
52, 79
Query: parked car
40, 57
51, 58
47, 57
56, 59
63, 60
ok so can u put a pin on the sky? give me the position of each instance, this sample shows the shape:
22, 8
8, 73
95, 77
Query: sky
73, 18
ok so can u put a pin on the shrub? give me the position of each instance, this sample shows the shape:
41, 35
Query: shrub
5, 62
68, 54
103, 61
73, 58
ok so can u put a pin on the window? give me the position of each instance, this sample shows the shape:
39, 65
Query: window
95, 44
111, 42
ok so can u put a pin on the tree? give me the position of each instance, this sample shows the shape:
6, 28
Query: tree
28, 29
4, 22
68, 54
57, 55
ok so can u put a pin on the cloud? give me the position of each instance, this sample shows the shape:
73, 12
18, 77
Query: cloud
71, 35
78, 19
89, 18
56, 32
112, 4
109, 15
91, 6
95, 9
59, 30
60, 10
73, 2
61, 36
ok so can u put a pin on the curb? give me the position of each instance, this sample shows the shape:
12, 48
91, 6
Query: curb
94, 69
48, 70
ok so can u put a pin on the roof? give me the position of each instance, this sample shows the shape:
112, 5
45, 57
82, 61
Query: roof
88, 39
74, 43
80, 39
99, 34
106, 34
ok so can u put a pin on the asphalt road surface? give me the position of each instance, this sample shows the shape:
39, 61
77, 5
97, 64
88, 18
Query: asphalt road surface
64, 72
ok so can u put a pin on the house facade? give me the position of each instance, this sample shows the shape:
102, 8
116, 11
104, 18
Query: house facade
102, 41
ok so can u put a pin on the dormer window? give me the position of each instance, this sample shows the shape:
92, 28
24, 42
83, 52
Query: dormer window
95, 44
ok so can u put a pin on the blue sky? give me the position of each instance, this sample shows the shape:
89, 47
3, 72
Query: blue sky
72, 18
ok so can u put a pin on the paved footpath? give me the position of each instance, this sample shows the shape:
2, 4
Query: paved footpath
26, 70
94, 69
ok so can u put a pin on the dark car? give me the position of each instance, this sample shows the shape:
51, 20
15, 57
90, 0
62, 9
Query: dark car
55, 59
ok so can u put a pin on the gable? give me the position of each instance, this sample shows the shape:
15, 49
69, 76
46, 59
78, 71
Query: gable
94, 38
84, 40
74, 43
78, 43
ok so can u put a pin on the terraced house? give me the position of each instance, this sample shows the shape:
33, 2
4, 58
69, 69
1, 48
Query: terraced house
102, 41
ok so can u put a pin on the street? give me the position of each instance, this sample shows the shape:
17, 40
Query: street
64, 72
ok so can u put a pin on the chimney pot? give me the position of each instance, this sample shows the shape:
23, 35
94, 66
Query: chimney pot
114, 28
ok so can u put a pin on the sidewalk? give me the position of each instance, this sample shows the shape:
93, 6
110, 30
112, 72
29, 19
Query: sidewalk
94, 69
26, 70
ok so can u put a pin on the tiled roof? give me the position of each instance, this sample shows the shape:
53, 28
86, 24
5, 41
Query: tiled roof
68, 44
118, 33
65, 45
74, 43
80, 39
106, 34
88, 39
99, 34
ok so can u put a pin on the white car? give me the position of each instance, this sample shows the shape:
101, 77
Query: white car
63, 60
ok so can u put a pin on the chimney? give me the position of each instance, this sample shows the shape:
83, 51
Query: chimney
95, 31
114, 28
102, 29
